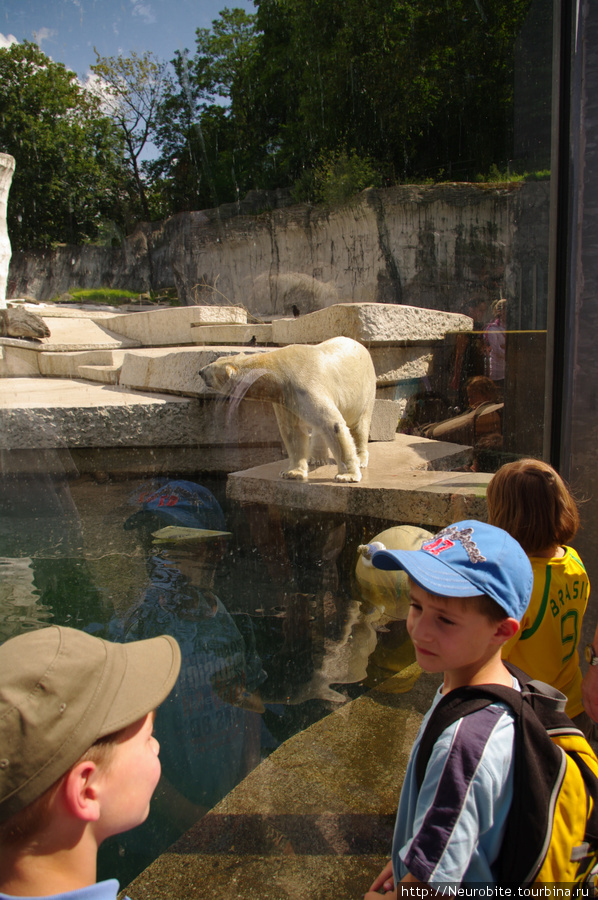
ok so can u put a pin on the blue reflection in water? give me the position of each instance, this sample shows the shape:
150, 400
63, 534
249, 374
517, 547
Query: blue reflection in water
269, 647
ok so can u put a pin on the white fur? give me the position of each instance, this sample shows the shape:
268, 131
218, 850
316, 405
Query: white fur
325, 392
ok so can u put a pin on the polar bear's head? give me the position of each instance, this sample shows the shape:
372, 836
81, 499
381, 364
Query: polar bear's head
222, 374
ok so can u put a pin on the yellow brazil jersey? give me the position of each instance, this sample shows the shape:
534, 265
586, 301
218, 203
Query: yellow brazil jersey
545, 646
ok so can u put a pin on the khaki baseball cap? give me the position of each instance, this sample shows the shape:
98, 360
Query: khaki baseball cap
60, 690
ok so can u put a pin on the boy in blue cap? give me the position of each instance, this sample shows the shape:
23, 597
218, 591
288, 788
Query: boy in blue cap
469, 587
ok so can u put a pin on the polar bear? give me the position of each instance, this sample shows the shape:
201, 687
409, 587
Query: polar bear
325, 390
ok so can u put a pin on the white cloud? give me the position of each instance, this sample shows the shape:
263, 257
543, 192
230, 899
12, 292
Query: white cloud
96, 85
144, 11
43, 34
7, 40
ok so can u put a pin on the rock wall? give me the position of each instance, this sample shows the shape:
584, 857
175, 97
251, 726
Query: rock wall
427, 246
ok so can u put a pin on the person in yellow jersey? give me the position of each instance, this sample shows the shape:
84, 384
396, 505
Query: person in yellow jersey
529, 499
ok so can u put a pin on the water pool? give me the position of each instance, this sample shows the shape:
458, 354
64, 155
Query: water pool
287, 641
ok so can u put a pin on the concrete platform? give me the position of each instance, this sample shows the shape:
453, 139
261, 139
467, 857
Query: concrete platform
173, 326
173, 369
315, 819
46, 413
406, 481
380, 324
82, 333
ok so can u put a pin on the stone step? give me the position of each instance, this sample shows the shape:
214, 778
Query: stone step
103, 374
17, 360
380, 324
405, 481
68, 365
172, 327
172, 369
74, 414
82, 333
231, 334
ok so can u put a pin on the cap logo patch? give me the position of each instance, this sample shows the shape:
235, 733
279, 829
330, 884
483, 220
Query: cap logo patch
172, 500
438, 546
446, 539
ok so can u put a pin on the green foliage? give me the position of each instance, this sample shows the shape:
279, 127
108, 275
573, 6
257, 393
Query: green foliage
328, 96
414, 85
203, 130
337, 178
495, 175
67, 154
118, 296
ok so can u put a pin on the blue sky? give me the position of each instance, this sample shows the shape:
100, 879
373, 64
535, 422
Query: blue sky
68, 30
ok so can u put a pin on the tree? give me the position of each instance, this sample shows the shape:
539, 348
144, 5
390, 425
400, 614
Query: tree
418, 86
67, 175
203, 132
132, 89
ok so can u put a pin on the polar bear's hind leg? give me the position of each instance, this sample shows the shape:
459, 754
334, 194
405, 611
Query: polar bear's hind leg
343, 449
360, 433
318, 450
296, 440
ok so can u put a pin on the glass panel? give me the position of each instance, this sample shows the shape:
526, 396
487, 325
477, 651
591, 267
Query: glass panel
278, 624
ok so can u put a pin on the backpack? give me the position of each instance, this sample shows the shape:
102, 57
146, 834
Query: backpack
551, 832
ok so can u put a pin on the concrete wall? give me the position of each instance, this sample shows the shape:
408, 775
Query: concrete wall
430, 246
580, 423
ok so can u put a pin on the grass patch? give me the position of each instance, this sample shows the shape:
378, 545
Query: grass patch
116, 297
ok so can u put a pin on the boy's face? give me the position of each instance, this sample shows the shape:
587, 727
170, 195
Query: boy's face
130, 779
449, 635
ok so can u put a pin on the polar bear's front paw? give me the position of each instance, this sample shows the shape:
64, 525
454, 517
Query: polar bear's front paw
348, 476
294, 474
364, 458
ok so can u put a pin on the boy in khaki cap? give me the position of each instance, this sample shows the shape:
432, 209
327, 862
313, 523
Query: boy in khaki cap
78, 761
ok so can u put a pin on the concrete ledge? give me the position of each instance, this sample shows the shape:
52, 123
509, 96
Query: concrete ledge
369, 323
46, 412
231, 334
174, 370
173, 326
102, 374
82, 333
402, 484
395, 364
67, 365
385, 418
17, 361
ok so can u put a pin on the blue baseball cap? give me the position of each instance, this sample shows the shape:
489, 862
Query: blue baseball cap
465, 560
182, 503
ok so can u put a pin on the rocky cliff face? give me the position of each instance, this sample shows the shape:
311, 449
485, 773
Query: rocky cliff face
428, 246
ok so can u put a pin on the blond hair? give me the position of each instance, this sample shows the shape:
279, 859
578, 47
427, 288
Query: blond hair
529, 499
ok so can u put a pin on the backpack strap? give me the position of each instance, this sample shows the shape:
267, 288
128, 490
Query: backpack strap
538, 771
458, 703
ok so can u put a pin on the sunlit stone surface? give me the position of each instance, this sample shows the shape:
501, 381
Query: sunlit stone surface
7, 168
370, 323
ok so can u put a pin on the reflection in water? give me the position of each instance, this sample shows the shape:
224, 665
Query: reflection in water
209, 726
385, 596
275, 633
20, 606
